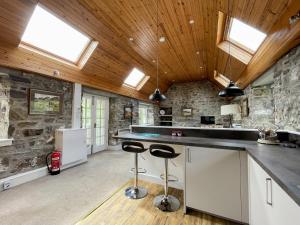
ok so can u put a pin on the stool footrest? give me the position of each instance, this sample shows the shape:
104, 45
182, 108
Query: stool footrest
171, 178
140, 170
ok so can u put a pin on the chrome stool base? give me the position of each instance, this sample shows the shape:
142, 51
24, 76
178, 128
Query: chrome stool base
135, 193
166, 204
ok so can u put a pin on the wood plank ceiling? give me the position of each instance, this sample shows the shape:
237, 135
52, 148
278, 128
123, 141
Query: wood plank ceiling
190, 52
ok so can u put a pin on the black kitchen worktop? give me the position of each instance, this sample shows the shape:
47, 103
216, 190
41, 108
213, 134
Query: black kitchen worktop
282, 164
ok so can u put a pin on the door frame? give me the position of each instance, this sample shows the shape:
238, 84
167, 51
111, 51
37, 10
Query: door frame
93, 148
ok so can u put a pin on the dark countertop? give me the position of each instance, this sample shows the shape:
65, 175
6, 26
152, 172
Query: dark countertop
282, 164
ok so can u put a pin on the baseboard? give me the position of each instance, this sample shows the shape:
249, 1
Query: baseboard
115, 147
70, 165
158, 180
22, 178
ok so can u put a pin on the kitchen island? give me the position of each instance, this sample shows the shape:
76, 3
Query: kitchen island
280, 164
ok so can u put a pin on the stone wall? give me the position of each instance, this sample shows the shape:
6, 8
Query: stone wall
4, 105
31, 132
261, 106
201, 96
277, 103
116, 116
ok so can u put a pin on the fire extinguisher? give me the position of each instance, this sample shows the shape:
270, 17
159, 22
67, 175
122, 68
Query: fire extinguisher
53, 162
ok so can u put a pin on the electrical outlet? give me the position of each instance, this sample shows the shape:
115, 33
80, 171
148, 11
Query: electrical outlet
6, 185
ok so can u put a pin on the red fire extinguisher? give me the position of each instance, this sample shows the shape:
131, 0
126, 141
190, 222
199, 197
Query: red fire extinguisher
53, 162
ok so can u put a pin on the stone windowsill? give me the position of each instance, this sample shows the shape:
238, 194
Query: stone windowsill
5, 142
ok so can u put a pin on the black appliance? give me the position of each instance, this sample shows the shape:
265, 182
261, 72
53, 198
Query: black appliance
207, 120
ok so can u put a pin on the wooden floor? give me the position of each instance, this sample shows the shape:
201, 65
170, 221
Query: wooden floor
119, 210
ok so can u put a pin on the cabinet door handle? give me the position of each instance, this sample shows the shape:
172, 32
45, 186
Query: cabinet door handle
189, 155
269, 191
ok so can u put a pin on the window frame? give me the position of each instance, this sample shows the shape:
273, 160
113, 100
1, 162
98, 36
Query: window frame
140, 84
236, 43
146, 107
85, 54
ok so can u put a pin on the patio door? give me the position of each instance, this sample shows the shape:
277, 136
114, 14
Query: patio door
95, 113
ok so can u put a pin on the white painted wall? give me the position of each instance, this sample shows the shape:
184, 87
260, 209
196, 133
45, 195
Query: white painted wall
76, 109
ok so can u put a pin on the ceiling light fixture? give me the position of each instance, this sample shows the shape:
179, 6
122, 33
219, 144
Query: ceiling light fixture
232, 90
192, 21
157, 96
131, 39
197, 52
162, 39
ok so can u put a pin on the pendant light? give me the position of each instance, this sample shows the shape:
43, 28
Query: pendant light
232, 90
157, 96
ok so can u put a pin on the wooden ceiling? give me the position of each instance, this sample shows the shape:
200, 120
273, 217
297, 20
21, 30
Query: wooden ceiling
190, 52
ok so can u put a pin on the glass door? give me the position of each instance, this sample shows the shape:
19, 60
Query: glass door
95, 112
101, 110
86, 119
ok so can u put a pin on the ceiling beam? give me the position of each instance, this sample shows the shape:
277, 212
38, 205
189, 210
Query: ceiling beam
281, 38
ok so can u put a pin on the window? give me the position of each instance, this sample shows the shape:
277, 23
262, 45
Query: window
146, 116
136, 79
45, 33
245, 36
221, 79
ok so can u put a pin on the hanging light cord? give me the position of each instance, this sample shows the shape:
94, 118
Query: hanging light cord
230, 71
157, 57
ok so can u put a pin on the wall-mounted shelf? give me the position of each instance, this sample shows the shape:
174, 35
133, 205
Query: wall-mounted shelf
165, 116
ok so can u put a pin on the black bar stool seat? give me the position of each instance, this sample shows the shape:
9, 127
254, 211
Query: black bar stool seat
165, 202
163, 151
135, 192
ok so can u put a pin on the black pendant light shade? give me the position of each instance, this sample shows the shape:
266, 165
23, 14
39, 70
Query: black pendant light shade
157, 96
231, 91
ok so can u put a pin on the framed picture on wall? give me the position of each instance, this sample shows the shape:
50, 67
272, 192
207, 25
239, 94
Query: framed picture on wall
45, 102
128, 111
187, 111
244, 107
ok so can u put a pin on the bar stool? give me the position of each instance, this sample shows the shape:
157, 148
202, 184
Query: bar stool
135, 192
165, 202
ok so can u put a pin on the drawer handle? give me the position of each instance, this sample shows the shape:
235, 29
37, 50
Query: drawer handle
269, 187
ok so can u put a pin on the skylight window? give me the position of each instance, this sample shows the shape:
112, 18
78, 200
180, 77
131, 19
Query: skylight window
245, 36
134, 78
47, 33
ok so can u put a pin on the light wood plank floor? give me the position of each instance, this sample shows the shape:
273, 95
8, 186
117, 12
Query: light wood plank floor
118, 210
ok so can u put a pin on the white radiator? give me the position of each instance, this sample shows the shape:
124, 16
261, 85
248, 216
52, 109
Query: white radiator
72, 144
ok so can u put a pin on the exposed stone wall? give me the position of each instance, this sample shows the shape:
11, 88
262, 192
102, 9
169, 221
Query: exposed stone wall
279, 102
261, 106
4, 106
201, 96
31, 132
116, 116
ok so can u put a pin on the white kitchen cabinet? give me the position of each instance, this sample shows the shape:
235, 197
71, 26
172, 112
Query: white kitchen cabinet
269, 204
215, 182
